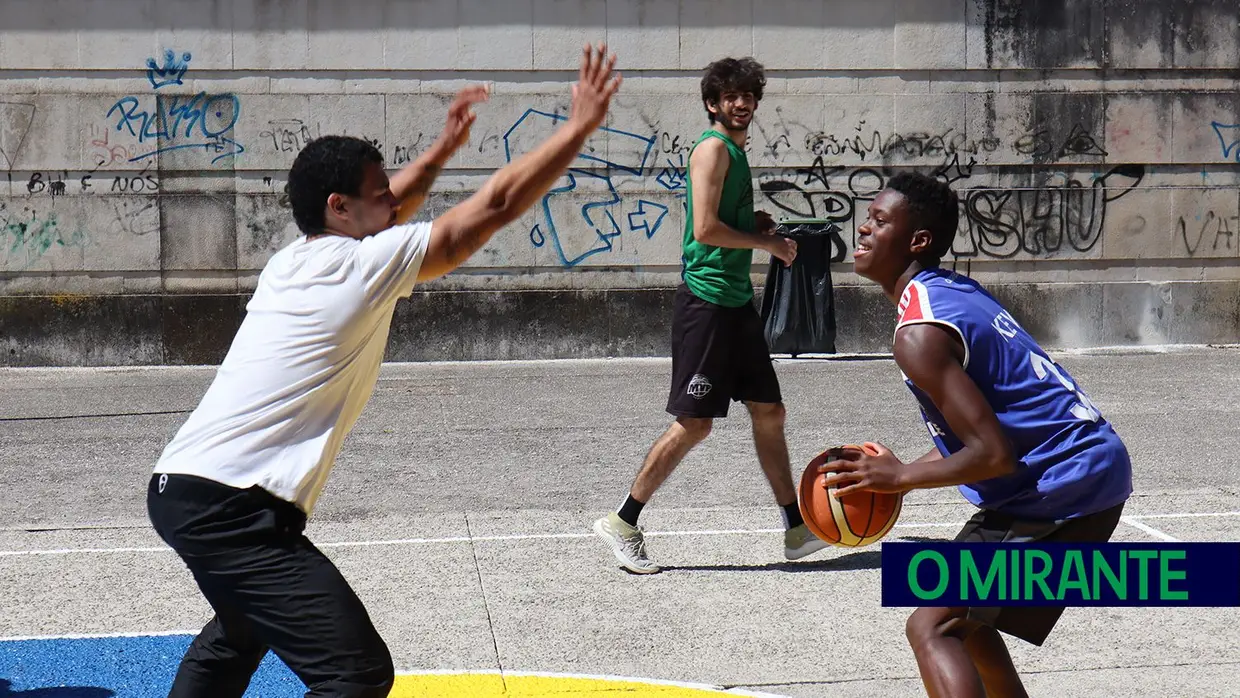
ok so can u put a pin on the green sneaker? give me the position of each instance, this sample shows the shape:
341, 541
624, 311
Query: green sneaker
800, 541
627, 543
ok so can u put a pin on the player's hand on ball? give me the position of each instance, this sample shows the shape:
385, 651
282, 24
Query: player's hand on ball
856, 471
460, 116
595, 87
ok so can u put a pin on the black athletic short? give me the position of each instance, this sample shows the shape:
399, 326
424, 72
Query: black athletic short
1033, 623
271, 590
719, 354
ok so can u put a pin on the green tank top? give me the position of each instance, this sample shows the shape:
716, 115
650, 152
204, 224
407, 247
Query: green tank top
721, 274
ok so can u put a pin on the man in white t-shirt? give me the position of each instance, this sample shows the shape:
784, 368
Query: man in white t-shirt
232, 491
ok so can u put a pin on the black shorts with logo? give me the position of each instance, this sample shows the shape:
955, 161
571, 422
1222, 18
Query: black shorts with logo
719, 355
1033, 624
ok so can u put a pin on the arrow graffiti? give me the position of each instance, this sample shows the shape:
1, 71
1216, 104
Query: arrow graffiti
639, 220
592, 229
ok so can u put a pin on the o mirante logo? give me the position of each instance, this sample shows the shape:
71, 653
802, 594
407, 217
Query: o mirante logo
1060, 574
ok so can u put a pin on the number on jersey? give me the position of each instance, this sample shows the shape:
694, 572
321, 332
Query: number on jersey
1084, 409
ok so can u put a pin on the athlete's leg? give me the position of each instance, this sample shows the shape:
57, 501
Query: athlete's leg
667, 452
768, 438
990, 655
936, 636
699, 393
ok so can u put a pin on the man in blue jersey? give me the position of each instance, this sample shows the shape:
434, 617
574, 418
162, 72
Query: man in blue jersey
1011, 429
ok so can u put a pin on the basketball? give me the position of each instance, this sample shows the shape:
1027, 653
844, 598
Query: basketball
853, 521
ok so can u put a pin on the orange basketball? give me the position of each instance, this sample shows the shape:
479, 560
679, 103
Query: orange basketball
852, 521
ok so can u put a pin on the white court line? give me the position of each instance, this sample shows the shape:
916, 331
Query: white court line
1133, 520
102, 636
1183, 516
451, 539
1148, 529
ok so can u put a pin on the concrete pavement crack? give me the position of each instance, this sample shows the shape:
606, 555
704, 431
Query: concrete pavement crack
42, 418
473, 551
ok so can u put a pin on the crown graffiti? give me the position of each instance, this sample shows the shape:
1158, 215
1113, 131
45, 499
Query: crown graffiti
171, 72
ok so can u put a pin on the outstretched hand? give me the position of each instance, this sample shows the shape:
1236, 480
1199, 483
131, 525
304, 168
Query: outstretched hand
857, 471
460, 116
595, 86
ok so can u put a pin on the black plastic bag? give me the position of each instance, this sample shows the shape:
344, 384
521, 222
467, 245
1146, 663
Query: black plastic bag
798, 304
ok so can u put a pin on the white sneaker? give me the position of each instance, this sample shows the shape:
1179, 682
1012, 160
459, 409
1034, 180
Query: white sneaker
800, 541
627, 543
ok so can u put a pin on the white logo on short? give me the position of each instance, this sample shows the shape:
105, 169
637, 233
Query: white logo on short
163, 481
699, 386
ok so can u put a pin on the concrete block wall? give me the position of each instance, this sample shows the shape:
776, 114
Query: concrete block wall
145, 144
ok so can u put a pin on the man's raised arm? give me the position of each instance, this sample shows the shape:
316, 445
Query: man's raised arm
411, 185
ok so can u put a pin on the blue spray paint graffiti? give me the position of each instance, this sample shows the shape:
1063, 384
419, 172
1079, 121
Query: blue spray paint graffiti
1234, 135
201, 119
598, 215
672, 177
179, 122
640, 219
171, 72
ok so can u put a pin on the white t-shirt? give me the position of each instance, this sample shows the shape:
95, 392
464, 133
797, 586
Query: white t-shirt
302, 366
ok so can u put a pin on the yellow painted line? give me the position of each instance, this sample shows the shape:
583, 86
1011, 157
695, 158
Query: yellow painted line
509, 685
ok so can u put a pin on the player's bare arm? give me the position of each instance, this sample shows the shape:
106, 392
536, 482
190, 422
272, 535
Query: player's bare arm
708, 167
468, 226
411, 185
932, 360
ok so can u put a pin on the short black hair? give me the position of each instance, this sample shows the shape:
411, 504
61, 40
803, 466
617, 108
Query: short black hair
732, 75
933, 206
327, 165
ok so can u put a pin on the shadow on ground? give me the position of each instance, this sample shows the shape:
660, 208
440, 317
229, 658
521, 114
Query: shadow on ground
860, 560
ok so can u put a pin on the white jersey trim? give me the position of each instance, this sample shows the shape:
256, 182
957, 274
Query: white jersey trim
942, 323
915, 309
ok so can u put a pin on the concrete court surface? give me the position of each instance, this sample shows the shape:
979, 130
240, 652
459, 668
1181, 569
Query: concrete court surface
461, 509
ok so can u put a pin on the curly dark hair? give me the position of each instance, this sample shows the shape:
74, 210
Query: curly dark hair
933, 206
732, 75
327, 165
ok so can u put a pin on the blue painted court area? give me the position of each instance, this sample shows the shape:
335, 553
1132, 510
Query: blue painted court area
116, 667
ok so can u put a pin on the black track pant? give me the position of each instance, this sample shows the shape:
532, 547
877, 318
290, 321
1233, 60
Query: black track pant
271, 590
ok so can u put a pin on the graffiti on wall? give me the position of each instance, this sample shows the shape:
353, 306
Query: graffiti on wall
177, 122
28, 234
629, 183
15, 121
1210, 233
1062, 213
1048, 214
1057, 212
863, 143
1228, 139
64, 182
172, 72
124, 205
589, 222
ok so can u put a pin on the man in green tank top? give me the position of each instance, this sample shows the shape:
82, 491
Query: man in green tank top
719, 349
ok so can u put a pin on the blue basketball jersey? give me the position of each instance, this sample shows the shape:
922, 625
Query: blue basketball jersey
1071, 461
